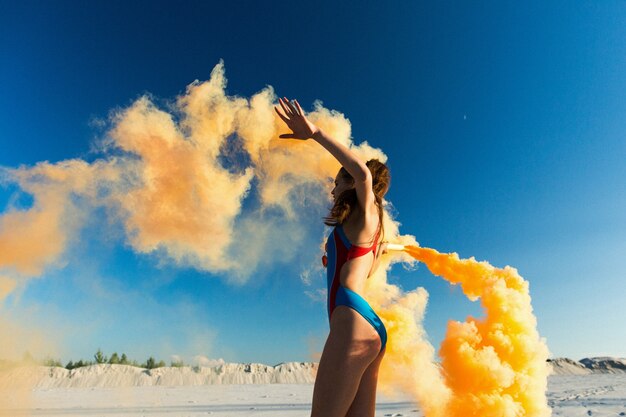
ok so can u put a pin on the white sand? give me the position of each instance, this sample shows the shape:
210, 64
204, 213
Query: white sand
587, 395
281, 400
569, 395
116, 376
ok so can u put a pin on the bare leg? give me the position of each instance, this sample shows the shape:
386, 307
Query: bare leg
364, 404
350, 348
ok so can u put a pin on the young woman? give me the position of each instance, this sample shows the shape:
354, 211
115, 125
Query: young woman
345, 385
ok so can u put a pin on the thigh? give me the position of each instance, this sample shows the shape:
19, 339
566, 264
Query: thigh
347, 353
350, 327
364, 404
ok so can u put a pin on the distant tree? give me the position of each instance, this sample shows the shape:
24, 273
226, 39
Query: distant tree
99, 357
114, 358
52, 362
161, 364
150, 363
124, 359
69, 366
177, 364
79, 364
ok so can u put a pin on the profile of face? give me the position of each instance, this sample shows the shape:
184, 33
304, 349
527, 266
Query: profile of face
341, 184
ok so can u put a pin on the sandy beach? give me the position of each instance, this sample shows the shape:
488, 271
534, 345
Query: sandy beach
568, 395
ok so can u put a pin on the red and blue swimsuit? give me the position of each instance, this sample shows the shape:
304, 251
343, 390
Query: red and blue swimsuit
339, 250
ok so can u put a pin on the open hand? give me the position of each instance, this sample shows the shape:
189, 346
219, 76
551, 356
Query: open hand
296, 121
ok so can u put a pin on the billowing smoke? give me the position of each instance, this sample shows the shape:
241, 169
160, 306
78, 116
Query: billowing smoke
176, 180
207, 183
491, 366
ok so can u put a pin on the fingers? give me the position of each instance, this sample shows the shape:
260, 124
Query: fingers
292, 107
286, 120
285, 109
289, 109
299, 108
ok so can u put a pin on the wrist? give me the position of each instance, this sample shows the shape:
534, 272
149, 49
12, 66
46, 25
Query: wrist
317, 134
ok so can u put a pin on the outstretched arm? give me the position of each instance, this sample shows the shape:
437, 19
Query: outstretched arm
347, 158
304, 129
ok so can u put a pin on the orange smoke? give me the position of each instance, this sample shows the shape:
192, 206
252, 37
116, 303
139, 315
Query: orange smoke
494, 366
176, 180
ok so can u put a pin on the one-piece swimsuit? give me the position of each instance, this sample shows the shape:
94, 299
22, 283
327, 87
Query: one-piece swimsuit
338, 251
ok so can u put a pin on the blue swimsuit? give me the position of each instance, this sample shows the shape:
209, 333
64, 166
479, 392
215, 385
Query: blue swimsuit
340, 250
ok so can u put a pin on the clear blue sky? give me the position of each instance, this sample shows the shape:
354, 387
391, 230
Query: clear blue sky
504, 123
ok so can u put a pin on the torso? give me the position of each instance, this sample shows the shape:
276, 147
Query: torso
360, 229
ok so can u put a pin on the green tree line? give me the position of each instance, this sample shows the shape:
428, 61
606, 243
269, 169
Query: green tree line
100, 358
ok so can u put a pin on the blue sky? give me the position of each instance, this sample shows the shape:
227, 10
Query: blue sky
503, 124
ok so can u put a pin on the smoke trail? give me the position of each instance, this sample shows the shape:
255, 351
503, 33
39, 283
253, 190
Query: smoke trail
495, 366
409, 365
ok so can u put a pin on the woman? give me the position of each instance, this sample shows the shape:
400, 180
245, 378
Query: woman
348, 370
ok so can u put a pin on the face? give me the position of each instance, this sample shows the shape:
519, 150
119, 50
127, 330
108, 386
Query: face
341, 184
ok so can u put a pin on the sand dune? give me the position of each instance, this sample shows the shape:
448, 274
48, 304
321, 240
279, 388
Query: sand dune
112, 376
599, 365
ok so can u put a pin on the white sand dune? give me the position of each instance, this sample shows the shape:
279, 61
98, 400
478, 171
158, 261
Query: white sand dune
566, 366
590, 387
598, 365
113, 376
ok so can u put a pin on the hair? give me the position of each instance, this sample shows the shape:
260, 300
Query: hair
346, 201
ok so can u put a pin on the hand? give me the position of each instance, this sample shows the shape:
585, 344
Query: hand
383, 247
296, 121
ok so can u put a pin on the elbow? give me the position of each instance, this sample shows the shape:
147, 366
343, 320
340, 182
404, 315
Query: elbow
362, 174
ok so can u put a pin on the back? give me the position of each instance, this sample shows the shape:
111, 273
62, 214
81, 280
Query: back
347, 265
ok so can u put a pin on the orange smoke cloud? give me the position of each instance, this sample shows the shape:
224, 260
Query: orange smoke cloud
495, 366
187, 201
35, 239
178, 186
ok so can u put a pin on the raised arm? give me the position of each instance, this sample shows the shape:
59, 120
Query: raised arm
304, 129
355, 167
346, 158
